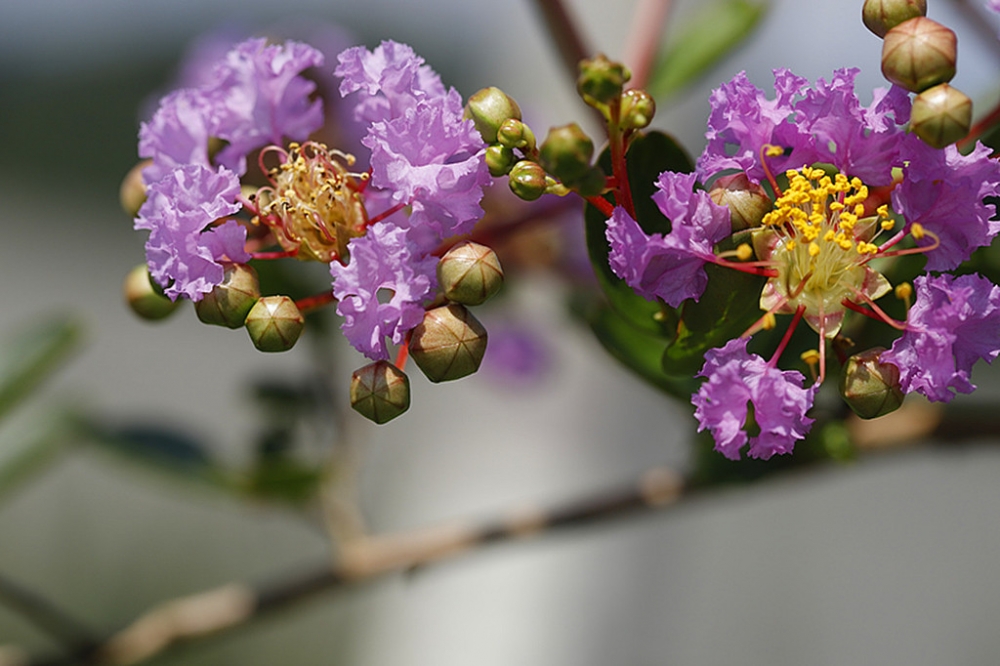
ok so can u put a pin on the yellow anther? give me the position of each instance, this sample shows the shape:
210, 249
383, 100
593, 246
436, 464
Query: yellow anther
917, 230
744, 252
836, 206
883, 210
813, 249
767, 321
888, 224
829, 235
790, 245
859, 210
774, 151
903, 291
845, 244
810, 356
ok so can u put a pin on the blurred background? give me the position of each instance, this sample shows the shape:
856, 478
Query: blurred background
893, 560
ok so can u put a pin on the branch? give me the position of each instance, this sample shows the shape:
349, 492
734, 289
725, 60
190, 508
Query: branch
565, 34
44, 615
648, 24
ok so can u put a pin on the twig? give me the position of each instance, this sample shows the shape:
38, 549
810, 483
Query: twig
565, 34
648, 25
43, 614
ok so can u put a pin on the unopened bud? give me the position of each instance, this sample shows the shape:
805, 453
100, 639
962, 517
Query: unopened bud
499, 160
747, 202
448, 344
132, 193
144, 297
230, 301
515, 134
871, 387
566, 153
527, 180
918, 54
941, 115
380, 391
881, 16
274, 323
488, 109
592, 184
601, 81
469, 273
638, 109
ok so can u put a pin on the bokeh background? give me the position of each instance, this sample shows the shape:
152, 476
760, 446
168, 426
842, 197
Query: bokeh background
894, 560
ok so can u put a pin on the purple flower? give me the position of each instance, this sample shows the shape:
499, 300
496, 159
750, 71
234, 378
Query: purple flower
255, 96
954, 323
943, 190
382, 290
183, 250
825, 123
737, 379
669, 267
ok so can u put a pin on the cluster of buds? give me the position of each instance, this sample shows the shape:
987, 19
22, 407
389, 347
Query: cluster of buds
448, 344
920, 54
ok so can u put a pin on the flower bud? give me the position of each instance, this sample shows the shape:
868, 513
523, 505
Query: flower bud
881, 16
941, 115
499, 160
566, 153
748, 202
144, 297
527, 180
469, 273
601, 80
380, 391
488, 109
230, 301
871, 387
274, 323
918, 54
132, 193
448, 344
515, 134
638, 109
592, 184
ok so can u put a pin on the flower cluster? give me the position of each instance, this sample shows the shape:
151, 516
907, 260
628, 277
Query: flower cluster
376, 227
827, 164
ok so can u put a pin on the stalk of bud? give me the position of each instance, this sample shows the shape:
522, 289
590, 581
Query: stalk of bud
380, 391
448, 344
469, 273
918, 54
274, 324
229, 302
941, 115
871, 387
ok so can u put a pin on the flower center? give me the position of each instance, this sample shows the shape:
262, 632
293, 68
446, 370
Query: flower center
820, 242
314, 204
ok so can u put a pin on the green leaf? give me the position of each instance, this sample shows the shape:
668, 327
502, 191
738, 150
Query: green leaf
729, 305
648, 156
32, 446
705, 40
32, 356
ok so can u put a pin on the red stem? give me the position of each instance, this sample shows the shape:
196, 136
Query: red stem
310, 303
787, 337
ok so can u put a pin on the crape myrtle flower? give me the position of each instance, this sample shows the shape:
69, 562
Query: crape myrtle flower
954, 323
817, 243
738, 380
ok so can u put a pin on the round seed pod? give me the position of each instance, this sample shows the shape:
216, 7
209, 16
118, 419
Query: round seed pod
448, 344
132, 193
881, 16
469, 273
566, 153
941, 115
229, 302
918, 54
748, 202
527, 180
274, 323
488, 109
380, 391
871, 388
638, 109
601, 80
144, 298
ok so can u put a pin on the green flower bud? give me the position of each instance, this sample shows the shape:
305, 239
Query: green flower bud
881, 16
469, 273
638, 109
941, 115
499, 160
592, 184
488, 109
527, 180
229, 302
748, 202
380, 391
871, 387
274, 323
144, 297
515, 134
448, 344
601, 81
132, 193
566, 153
918, 54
